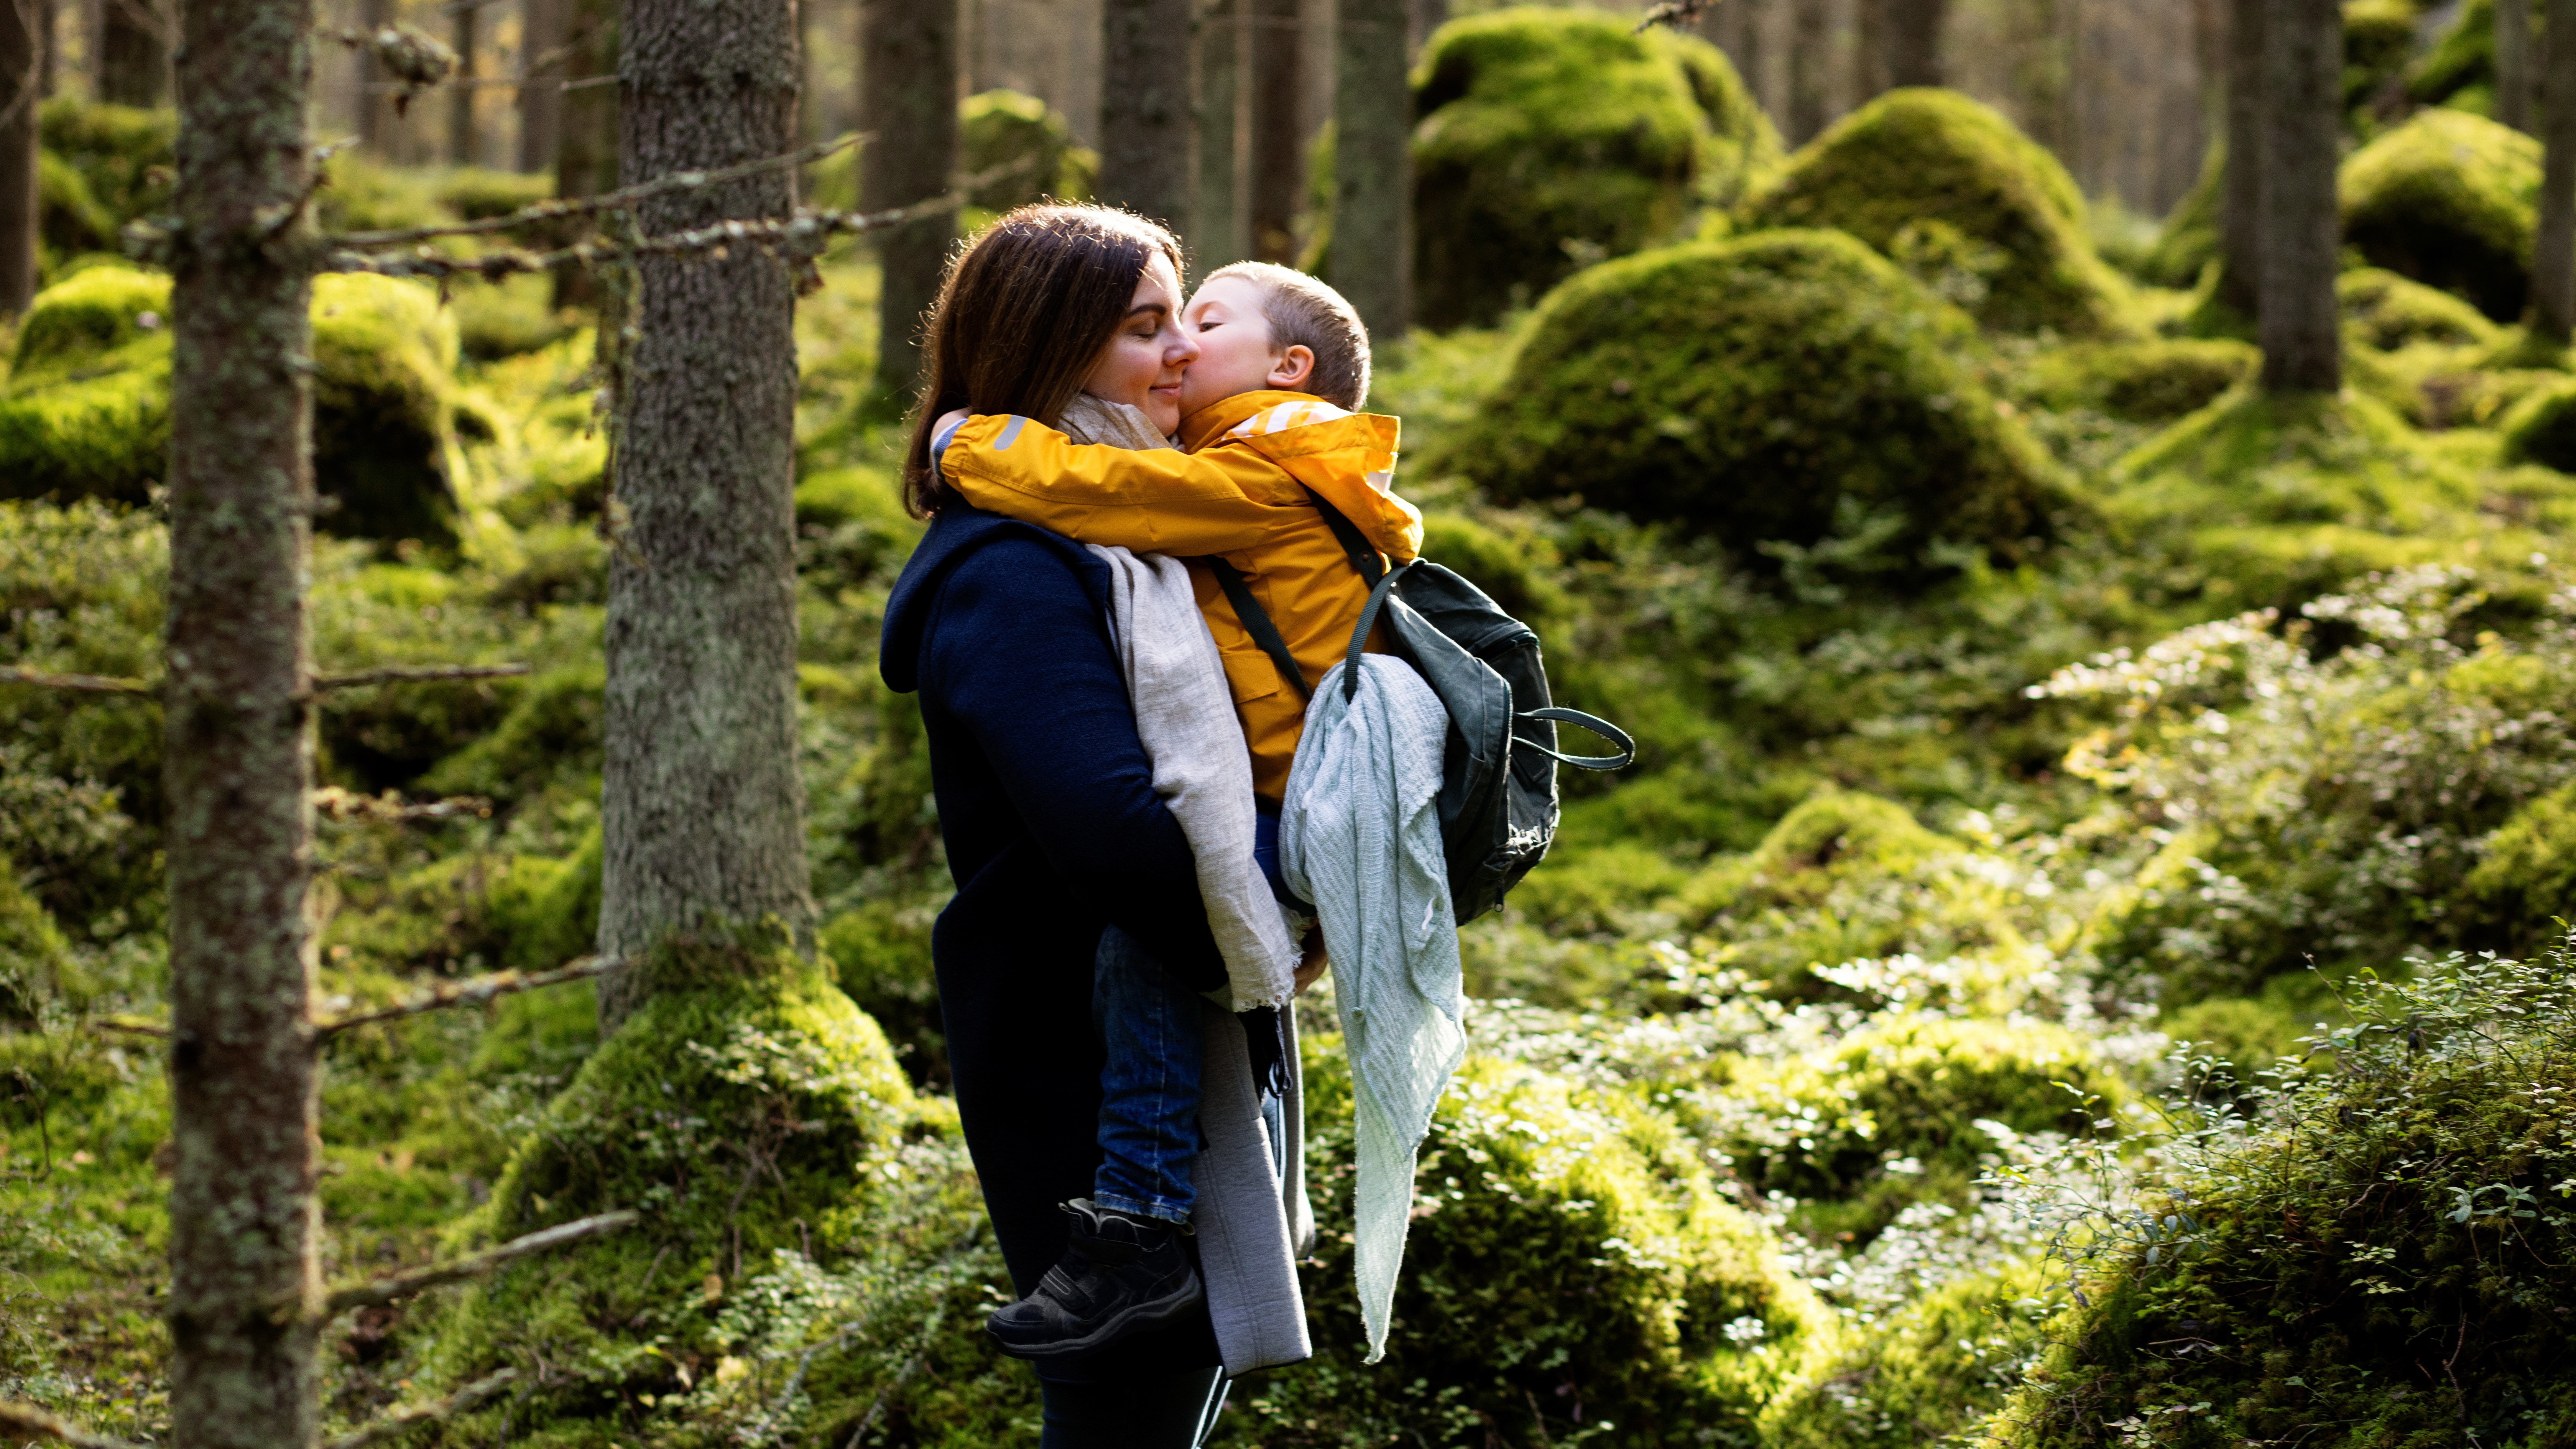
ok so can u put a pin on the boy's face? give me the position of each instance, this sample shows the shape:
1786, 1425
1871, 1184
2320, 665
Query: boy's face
1236, 354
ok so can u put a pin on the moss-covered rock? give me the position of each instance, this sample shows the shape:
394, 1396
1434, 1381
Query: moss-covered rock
2378, 42
125, 158
1005, 128
2141, 382
2458, 70
2188, 241
1791, 393
70, 218
1946, 186
1570, 1268
548, 741
2392, 313
2542, 428
1551, 138
2450, 200
86, 411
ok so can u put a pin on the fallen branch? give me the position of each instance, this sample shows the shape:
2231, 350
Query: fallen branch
81, 683
388, 809
35, 1423
544, 211
473, 991
415, 673
377, 1292
131, 1026
1675, 13
402, 1421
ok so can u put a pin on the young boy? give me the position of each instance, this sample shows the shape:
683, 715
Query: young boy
1270, 424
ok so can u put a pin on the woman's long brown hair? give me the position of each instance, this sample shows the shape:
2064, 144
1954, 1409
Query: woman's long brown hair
1021, 318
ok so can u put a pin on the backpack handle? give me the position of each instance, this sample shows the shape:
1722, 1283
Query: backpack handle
1605, 729
1368, 620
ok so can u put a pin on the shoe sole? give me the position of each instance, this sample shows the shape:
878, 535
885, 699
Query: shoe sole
1143, 1315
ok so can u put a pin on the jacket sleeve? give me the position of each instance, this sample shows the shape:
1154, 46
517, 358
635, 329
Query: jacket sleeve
1221, 500
1017, 653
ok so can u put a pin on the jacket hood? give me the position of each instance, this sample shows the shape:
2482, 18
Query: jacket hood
957, 531
1347, 458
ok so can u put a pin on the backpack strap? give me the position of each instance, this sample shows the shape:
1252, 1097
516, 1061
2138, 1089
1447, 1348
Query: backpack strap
1355, 544
1605, 729
1368, 619
1256, 622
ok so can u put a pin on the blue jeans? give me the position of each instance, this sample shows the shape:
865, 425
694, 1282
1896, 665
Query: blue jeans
1149, 1086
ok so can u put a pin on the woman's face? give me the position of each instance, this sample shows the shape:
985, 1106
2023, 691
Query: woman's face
1145, 361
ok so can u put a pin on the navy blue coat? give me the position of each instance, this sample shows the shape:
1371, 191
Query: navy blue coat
1053, 829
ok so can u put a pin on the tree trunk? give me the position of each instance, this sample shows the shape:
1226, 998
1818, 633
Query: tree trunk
2553, 272
133, 56
909, 87
1742, 20
460, 99
2240, 199
541, 34
1278, 180
371, 74
1372, 168
1914, 41
21, 69
2513, 68
1219, 230
238, 742
1421, 18
2302, 349
1809, 35
48, 51
1869, 56
701, 807
1144, 107
586, 124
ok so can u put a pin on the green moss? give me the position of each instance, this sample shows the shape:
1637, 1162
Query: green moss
2462, 59
1570, 1268
1946, 186
385, 358
2542, 428
1929, 1371
2450, 200
549, 740
2140, 382
1513, 568
2392, 313
69, 218
80, 322
1551, 138
2529, 869
1790, 393
2188, 241
126, 158
2250, 1034
2378, 41
881, 951
1005, 128
33, 954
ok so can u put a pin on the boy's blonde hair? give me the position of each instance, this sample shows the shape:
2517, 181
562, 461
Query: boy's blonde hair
1303, 312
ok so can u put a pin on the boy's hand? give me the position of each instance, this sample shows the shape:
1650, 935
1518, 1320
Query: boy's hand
1312, 967
949, 420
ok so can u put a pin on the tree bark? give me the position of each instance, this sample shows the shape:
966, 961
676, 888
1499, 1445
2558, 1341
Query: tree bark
1421, 18
133, 56
1914, 41
701, 807
48, 52
2240, 199
460, 99
1278, 180
1372, 167
238, 741
2302, 349
2513, 67
586, 124
1810, 34
909, 89
1219, 229
22, 47
1144, 107
1869, 52
2553, 272
1742, 20
541, 34
371, 74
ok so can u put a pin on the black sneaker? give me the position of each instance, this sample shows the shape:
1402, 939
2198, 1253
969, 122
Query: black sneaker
1119, 1274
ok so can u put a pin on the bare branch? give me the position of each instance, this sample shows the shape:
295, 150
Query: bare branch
380, 1291
402, 1421
605, 201
1675, 13
132, 1027
32, 1422
83, 683
473, 991
390, 809
415, 673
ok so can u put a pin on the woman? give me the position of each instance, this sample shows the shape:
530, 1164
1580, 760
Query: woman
1045, 795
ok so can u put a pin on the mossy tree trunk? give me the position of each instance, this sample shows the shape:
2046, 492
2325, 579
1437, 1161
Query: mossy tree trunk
2553, 272
21, 66
1219, 205
238, 740
1913, 29
2513, 68
2240, 198
1278, 145
702, 813
541, 34
909, 88
1810, 32
2302, 345
1372, 168
133, 54
1144, 107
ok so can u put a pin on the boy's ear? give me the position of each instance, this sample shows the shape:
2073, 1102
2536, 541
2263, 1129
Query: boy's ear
1290, 370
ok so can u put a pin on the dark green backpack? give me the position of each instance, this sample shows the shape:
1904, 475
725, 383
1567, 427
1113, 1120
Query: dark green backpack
1498, 807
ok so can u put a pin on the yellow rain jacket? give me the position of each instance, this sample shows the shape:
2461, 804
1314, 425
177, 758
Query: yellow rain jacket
1238, 493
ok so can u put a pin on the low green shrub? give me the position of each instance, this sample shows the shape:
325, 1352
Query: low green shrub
2450, 200
1947, 188
33, 954
1790, 393
2140, 382
1924, 1374
1551, 138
